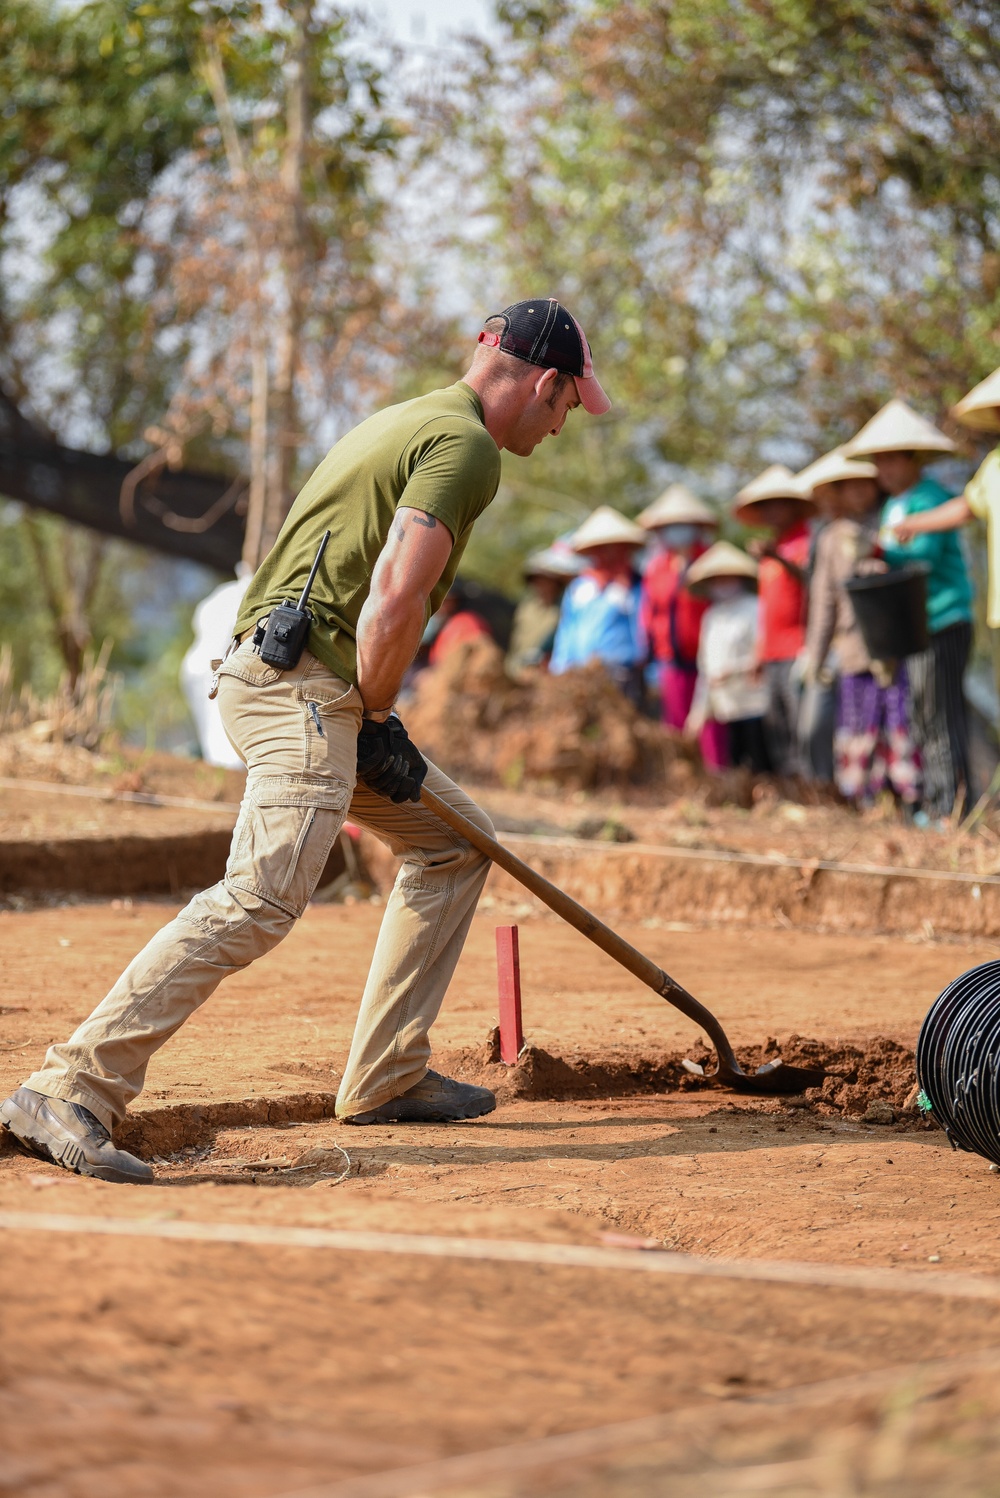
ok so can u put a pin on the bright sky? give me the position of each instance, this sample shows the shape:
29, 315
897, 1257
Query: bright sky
430, 22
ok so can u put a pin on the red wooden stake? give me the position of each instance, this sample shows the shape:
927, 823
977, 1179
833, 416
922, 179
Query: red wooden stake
509, 983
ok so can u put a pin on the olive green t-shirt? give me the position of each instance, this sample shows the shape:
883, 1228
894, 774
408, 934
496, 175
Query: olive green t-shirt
433, 454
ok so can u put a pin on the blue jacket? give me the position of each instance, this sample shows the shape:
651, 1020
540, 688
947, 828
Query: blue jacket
598, 624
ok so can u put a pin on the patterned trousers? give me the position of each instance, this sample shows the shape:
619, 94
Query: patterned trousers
873, 747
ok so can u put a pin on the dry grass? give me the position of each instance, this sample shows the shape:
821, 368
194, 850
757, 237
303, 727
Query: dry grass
77, 712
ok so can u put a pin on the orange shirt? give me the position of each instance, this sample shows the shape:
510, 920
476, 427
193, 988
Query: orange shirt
783, 598
461, 627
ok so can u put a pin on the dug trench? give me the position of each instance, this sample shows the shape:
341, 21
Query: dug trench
72, 842
874, 1082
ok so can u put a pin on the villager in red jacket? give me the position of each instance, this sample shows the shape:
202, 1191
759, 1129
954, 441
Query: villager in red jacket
683, 527
775, 501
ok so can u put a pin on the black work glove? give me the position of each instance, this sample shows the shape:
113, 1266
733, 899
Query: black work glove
387, 761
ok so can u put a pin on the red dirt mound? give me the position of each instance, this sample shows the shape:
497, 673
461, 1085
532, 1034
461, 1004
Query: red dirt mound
574, 731
859, 1078
875, 1080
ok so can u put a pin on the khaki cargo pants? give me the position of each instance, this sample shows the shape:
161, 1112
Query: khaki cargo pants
297, 732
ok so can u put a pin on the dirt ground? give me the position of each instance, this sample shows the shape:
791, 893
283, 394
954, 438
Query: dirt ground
162, 1367
170, 1367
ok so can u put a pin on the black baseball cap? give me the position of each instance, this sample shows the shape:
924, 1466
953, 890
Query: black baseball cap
542, 332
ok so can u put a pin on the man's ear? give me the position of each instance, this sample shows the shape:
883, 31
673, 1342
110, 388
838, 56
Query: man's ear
544, 383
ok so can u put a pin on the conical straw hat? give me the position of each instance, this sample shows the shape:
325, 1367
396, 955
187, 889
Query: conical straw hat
554, 561
721, 560
832, 468
677, 506
897, 429
607, 527
776, 482
979, 408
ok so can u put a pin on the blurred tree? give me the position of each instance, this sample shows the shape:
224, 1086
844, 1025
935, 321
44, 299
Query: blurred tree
769, 216
94, 110
185, 191
96, 106
187, 201
270, 235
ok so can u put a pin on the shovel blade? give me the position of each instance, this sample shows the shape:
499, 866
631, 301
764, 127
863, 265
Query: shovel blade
774, 1079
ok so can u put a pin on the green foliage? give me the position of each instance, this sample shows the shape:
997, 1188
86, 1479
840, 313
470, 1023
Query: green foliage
24, 621
27, 623
769, 217
109, 144
151, 710
100, 101
127, 293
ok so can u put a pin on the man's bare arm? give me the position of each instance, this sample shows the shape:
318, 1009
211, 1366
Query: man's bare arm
392, 620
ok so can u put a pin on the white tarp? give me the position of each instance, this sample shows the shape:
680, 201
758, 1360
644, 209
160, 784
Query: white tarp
214, 619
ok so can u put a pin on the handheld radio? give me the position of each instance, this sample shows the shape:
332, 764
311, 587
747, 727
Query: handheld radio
282, 641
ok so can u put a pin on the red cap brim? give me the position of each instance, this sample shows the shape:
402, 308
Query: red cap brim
592, 397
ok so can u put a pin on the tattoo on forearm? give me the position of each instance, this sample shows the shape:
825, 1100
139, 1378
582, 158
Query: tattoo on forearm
427, 520
399, 529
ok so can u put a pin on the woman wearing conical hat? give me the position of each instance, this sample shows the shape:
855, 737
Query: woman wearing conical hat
818, 704
682, 528
873, 743
731, 689
599, 618
899, 442
774, 502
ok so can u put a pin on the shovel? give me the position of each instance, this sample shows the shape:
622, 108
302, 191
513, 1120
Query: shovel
772, 1078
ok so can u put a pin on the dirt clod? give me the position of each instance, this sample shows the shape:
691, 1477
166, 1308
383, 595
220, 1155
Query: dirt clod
574, 731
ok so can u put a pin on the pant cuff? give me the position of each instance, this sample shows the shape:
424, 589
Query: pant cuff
355, 1105
66, 1092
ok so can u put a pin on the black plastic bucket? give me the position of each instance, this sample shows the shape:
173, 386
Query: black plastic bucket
891, 610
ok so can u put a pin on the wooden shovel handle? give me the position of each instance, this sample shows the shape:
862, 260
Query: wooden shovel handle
587, 924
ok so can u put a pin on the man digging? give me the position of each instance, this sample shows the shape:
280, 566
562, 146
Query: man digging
399, 495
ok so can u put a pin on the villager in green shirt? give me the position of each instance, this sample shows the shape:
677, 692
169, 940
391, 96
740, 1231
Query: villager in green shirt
899, 441
980, 410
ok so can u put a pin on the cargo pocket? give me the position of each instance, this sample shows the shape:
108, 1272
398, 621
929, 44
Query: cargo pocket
283, 839
317, 684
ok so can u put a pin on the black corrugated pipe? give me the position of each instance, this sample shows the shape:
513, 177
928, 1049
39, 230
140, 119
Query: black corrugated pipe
958, 1061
